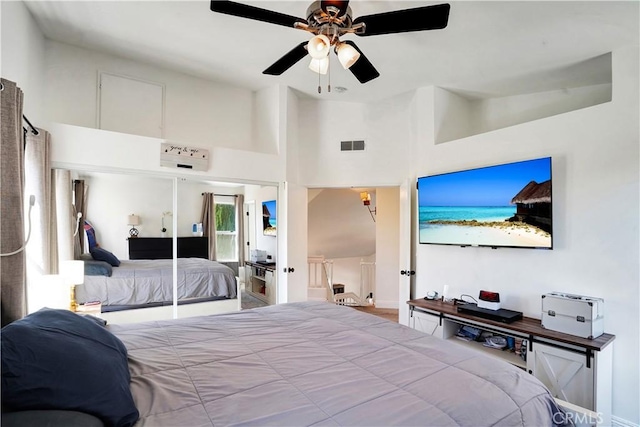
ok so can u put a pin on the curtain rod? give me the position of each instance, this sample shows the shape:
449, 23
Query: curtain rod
227, 195
33, 129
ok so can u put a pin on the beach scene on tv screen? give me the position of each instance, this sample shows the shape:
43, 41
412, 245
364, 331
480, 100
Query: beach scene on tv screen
269, 221
504, 205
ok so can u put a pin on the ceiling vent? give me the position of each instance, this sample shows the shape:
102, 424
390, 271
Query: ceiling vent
352, 145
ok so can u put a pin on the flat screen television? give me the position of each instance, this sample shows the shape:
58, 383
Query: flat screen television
507, 205
269, 221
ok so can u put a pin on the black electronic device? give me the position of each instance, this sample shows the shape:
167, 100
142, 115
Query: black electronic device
266, 263
501, 315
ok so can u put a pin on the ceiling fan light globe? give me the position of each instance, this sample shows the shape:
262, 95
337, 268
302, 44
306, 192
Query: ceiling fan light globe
347, 55
319, 65
319, 46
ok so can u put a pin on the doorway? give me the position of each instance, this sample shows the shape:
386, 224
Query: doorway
341, 228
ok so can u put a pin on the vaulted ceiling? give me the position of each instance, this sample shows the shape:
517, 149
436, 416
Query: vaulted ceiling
489, 49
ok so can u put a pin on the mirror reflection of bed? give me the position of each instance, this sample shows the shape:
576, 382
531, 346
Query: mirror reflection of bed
140, 288
145, 280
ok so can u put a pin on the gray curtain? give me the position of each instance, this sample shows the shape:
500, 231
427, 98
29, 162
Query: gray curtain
42, 251
65, 223
240, 228
79, 207
208, 220
12, 267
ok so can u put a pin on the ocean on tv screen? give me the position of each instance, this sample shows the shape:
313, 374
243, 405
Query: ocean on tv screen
478, 226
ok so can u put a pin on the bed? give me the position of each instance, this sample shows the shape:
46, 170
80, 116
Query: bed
146, 279
307, 363
147, 283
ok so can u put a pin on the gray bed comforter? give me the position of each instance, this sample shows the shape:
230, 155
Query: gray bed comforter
146, 281
315, 363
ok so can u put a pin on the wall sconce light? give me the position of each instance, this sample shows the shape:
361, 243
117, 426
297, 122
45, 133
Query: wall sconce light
366, 200
133, 220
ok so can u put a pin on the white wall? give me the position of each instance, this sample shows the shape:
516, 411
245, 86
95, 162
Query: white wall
595, 211
22, 58
337, 216
385, 128
82, 148
112, 197
198, 112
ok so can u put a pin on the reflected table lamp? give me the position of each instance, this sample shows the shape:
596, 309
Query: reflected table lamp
133, 221
73, 273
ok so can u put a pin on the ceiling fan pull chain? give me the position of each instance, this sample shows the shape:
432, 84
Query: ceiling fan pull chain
319, 88
329, 72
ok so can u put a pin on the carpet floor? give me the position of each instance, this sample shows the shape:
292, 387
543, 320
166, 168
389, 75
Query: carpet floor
248, 301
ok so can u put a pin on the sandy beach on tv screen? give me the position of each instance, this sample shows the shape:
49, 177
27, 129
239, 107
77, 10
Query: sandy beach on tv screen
503, 235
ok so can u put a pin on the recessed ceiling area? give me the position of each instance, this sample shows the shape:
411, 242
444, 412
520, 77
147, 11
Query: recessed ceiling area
488, 49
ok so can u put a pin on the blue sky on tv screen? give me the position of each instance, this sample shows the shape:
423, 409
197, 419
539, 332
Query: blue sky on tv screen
489, 186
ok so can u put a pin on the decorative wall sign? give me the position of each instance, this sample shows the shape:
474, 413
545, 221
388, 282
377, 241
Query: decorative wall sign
181, 156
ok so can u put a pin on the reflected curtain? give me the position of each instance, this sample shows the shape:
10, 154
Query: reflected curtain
12, 267
79, 207
240, 228
42, 251
65, 221
208, 220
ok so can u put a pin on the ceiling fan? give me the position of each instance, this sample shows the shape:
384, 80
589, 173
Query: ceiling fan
330, 20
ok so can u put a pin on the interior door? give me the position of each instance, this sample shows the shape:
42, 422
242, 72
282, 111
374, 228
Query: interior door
406, 274
292, 243
249, 228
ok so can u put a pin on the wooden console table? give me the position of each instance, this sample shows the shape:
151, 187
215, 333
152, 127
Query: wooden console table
575, 369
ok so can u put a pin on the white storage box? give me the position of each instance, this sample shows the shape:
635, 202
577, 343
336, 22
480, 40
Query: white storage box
258, 255
573, 314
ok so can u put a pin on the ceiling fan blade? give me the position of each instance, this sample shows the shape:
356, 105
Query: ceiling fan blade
401, 21
255, 13
288, 60
363, 69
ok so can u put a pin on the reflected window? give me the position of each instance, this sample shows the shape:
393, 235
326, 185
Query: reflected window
226, 232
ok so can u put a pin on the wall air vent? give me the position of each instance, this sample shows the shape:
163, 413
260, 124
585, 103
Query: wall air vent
352, 145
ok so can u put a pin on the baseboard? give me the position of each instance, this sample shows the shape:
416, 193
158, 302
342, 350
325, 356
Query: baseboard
386, 304
621, 422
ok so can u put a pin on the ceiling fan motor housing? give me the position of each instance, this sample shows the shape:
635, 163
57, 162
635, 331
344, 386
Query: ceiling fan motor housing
329, 19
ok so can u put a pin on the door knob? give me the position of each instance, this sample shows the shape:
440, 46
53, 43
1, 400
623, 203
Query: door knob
291, 270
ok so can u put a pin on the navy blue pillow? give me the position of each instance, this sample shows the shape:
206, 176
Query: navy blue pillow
91, 235
100, 254
55, 359
97, 268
